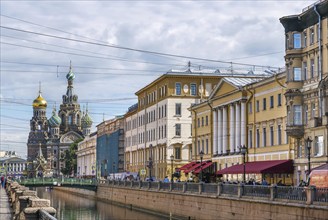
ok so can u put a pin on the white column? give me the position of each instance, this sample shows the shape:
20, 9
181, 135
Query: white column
220, 131
215, 127
224, 130
237, 139
232, 128
243, 123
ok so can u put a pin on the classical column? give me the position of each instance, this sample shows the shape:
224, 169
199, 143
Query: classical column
220, 131
232, 128
224, 130
237, 143
243, 123
215, 127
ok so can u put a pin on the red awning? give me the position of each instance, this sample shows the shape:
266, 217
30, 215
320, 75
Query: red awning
192, 168
269, 166
186, 166
207, 164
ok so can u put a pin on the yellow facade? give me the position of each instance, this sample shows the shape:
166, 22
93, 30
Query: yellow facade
306, 94
261, 104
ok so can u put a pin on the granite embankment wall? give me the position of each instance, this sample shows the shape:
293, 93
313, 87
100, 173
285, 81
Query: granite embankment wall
191, 206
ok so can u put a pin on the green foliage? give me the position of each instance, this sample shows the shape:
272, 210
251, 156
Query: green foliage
71, 159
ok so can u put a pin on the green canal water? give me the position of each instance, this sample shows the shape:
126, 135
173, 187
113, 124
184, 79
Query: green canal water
74, 207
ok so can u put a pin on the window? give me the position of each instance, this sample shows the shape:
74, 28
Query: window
178, 88
306, 114
250, 138
312, 68
164, 131
264, 103
198, 122
271, 101
177, 153
318, 146
178, 129
287, 41
271, 136
250, 107
264, 137
257, 105
297, 41
192, 89
311, 36
202, 145
257, 138
312, 110
305, 70
297, 74
304, 39
206, 120
279, 99
206, 146
297, 115
299, 151
279, 135
178, 109
202, 121
208, 89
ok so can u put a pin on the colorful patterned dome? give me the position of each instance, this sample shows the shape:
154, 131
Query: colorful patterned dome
55, 120
39, 102
86, 120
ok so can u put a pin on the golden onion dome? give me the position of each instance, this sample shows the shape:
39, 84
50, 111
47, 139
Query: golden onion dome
39, 102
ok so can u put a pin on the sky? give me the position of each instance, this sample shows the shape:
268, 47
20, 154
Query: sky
118, 47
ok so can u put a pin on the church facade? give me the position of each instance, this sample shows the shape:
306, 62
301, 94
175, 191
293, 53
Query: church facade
55, 135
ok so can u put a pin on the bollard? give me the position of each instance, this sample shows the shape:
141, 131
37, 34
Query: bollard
240, 190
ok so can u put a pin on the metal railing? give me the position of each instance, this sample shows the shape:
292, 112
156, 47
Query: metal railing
290, 193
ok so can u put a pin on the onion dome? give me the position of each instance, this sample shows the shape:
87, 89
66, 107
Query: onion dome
55, 120
39, 102
70, 75
86, 120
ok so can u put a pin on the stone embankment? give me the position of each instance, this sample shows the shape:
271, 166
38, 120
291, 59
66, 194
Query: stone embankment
26, 205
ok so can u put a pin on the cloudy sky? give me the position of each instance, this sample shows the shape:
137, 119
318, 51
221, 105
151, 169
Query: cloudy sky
39, 38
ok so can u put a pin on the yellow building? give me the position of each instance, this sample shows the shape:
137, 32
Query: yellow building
244, 112
306, 95
158, 127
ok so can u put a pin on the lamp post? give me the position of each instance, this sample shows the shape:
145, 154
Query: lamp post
308, 145
201, 154
243, 152
114, 170
172, 158
150, 163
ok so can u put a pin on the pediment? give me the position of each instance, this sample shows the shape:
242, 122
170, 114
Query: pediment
70, 137
223, 87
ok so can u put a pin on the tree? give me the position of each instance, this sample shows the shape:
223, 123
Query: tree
71, 159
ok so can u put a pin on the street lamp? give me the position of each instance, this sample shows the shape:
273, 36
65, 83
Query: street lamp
201, 154
150, 163
243, 152
308, 145
114, 170
172, 158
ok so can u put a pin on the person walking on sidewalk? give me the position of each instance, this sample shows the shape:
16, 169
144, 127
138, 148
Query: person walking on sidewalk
3, 181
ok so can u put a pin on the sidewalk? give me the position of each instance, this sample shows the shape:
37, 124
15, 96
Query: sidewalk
5, 209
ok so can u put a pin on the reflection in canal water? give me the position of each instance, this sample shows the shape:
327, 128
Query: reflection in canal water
74, 207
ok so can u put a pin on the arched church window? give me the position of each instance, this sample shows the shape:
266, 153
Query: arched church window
39, 127
70, 119
78, 119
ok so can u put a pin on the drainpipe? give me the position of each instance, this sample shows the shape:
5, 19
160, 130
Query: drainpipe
320, 57
254, 119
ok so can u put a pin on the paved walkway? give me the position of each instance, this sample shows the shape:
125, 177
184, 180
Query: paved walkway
5, 209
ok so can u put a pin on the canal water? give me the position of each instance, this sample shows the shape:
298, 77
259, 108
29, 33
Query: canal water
74, 207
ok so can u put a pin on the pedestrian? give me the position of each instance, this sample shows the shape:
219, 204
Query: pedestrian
264, 182
166, 179
1, 180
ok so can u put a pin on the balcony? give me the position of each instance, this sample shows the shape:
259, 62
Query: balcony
295, 131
